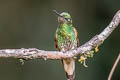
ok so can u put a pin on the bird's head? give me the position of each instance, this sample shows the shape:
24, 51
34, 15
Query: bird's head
64, 17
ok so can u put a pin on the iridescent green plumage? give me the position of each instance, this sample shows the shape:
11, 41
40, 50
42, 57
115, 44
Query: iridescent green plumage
66, 34
66, 38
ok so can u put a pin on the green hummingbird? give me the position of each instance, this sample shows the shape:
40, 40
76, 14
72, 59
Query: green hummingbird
66, 38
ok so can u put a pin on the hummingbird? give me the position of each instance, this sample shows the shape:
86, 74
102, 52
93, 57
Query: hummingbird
66, 38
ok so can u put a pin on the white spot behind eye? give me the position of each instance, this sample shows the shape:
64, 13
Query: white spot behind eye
68, 19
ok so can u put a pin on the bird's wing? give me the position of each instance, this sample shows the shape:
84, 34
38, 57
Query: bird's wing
56, 42
55, 39
76, 34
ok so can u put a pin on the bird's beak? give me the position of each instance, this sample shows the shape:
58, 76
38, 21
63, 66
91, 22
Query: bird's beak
60, 18
58, 14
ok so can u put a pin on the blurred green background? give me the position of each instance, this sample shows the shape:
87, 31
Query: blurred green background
32, 24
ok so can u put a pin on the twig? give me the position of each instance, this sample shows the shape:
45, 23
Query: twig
113, 68
34, 53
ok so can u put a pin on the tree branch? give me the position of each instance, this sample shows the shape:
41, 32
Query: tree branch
33, 53
114, 66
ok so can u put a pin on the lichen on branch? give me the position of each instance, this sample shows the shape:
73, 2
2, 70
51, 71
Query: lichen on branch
33, 53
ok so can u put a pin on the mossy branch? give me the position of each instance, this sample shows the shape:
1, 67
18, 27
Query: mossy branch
33, 53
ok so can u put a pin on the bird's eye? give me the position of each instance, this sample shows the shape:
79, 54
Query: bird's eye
67, 19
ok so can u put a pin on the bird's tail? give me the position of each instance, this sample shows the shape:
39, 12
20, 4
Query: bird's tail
69, 67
